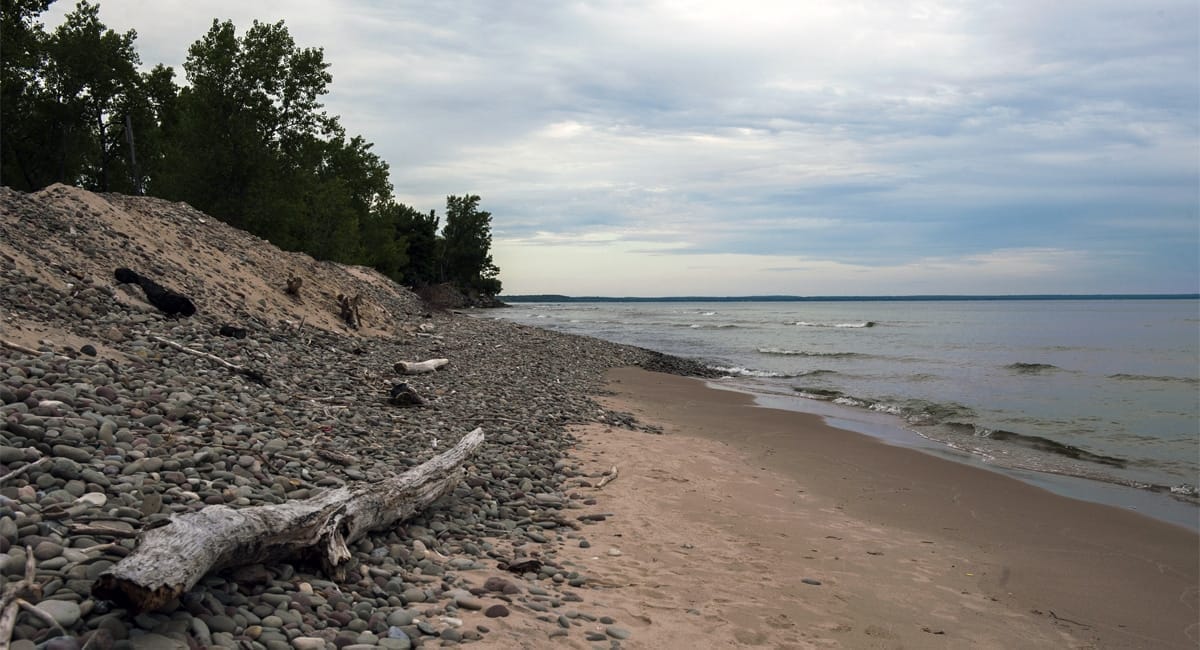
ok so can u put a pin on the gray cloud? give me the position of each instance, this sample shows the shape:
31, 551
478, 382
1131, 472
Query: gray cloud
860, 134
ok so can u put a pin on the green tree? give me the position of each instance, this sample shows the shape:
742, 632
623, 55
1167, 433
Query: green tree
250, 121
420, 232
468, 241
92, 73
25, 141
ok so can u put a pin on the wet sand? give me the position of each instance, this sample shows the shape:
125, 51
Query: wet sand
726, 523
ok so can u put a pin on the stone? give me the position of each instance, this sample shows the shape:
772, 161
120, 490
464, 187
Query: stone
617, 632
64, 612
496, 611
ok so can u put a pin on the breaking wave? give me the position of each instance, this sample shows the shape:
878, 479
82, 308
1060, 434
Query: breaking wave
738, 371
803, 353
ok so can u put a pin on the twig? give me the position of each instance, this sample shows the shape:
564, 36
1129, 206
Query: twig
10, 603
20, 348
252, 375
21, 470
33, 609
30, 351
609, 477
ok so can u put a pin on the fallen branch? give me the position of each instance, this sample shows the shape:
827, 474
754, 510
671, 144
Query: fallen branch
609, 477
26, 350
14, 594
420, 367
253, 375
24, 468
172, 558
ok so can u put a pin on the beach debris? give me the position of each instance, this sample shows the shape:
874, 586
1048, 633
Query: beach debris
17, 597
608, 477
811, 581
249, 373
350, 309
232, 331
170, 559
169, 302
404, 395
932, 631
420, 367
532, 565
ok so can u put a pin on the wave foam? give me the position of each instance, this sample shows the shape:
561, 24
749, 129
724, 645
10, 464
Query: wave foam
803, 353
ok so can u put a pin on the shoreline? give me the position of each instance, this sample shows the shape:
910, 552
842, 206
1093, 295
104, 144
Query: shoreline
1001, 563
1154, 504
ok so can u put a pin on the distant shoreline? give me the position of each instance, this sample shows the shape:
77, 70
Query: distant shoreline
913, 298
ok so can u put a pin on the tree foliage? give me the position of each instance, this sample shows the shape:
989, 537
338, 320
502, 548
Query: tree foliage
468, 241
246, 139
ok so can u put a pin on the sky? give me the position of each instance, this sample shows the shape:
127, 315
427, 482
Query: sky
873, 147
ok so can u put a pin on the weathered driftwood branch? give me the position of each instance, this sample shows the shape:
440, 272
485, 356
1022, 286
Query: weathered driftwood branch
351, 309
24, 468
27, 350
14, 595
249, 373
609, 477
420, 367
171, 559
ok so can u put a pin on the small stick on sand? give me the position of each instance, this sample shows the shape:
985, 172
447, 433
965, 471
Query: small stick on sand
609, 477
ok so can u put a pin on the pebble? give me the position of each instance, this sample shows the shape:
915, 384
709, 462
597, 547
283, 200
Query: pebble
810, 581
496, 611
64, 612
617, 632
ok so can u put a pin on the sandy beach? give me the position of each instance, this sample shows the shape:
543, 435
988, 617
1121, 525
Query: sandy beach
746, 526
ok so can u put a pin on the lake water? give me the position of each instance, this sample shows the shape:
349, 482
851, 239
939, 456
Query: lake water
1106, 390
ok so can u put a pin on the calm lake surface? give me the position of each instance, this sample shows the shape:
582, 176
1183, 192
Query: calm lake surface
1106, 390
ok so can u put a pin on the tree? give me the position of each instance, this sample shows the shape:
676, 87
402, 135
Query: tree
92, 74
24, 140
251, 123
420, 233
468, 241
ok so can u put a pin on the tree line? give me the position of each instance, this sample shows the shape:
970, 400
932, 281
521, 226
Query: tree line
245, 139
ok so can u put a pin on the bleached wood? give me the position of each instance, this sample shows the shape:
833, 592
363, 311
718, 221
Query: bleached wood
420, 367
171, 559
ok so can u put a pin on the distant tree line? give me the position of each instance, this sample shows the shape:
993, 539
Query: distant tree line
245, 140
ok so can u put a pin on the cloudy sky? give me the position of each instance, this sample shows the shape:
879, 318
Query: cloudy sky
877, 147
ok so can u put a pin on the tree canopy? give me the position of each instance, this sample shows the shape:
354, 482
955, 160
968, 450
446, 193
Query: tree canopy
245, 139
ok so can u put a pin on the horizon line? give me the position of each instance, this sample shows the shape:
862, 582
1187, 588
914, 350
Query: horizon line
553, 297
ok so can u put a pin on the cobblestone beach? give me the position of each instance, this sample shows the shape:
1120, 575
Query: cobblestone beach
107, 430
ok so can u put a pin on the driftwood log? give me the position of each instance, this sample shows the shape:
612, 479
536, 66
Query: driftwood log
350, 309
420, 367
172, 558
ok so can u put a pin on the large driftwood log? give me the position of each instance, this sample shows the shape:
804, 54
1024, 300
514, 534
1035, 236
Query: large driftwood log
420, 367
171, 559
